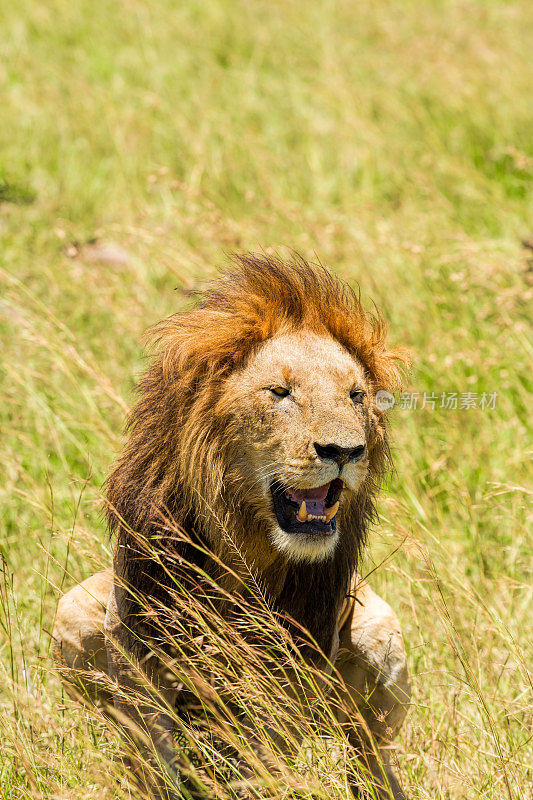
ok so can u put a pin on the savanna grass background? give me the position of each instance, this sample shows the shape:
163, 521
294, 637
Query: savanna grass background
139, 142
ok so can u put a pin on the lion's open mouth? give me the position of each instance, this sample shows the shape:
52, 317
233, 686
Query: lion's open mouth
308, 510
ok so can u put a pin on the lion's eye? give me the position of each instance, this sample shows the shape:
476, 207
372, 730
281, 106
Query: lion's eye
357, 396
279, 391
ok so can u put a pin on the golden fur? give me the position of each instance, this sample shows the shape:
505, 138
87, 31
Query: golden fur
179, 462
192, 498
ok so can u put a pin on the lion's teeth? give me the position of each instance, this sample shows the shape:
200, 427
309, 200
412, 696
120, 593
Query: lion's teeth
303, 516
330, 512
311, 517
302, 513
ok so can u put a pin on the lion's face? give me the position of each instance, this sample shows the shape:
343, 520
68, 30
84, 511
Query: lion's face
302, 409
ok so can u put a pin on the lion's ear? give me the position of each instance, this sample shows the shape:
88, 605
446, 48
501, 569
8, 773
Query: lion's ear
204, 342
365, 336
390, 368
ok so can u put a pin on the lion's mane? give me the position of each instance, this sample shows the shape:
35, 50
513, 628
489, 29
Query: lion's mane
176, 469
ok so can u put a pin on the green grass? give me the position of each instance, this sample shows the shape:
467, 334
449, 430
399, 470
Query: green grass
391, 140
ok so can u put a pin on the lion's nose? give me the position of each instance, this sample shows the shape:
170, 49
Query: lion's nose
340, 455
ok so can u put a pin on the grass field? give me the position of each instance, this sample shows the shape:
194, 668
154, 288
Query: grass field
141, 141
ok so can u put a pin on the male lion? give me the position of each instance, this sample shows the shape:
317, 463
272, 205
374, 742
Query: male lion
257, 416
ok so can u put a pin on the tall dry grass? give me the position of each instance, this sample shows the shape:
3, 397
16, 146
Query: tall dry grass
138, 142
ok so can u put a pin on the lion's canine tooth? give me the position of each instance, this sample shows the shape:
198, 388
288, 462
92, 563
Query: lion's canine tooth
302, 513
330, 512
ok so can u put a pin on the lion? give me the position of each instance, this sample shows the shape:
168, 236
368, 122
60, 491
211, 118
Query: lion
257, 416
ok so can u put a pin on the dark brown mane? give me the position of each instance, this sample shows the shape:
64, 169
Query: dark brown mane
176, 463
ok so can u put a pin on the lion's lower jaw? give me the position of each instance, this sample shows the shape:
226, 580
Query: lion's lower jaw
304, 547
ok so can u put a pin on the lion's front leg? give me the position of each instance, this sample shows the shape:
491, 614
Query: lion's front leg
78, 639
373, 665
144, 703
91, 646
